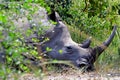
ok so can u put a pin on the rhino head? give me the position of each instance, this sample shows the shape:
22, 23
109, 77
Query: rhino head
64, 48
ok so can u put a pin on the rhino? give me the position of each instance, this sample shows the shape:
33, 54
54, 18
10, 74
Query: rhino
64, 48
60, 44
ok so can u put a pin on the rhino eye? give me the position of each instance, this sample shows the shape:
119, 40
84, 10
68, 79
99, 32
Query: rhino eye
69, 49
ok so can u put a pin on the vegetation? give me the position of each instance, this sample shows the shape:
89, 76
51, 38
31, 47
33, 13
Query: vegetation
85, 18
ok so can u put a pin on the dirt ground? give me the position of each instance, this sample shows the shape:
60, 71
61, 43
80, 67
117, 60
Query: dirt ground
64, 76
72, 75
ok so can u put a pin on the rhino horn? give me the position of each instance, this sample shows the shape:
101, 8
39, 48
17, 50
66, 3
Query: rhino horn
99, 49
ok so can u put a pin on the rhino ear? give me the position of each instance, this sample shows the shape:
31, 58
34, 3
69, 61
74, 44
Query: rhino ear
86, 43
54, 16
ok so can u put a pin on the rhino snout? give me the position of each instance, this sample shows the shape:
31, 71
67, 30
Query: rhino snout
84, 64
81, 62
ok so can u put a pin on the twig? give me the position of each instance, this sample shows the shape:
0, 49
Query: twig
58, 62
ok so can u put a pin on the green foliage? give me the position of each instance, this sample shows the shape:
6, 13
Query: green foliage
88, 15
13, 40
61, 6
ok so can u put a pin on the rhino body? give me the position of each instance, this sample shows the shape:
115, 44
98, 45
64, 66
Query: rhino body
60, 42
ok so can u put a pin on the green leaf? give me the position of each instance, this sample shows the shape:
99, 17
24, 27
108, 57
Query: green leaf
3, 18
48, 49
60, 51
55, 60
